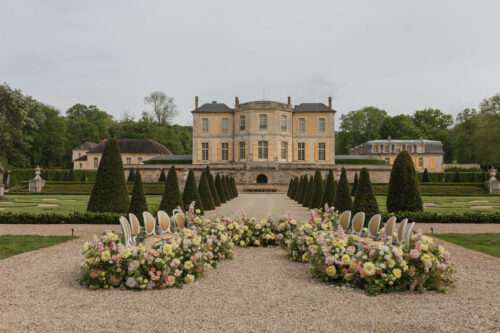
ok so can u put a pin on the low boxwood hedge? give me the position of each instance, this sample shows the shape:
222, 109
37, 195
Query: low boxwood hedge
51, 218
85, 188
431, 217
441, 189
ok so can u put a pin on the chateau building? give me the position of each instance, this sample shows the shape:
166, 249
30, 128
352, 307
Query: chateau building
133, 152
426, 154
264, 133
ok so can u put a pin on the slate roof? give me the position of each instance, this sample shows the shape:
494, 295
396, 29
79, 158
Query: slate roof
135, 146
86, 146
214, 107
311, 107
302, 107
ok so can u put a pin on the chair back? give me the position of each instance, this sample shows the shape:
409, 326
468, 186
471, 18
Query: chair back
402, 230
389, 227
149, 224
358, 221
345, 220
409, 231
125, 226
134, 224
374, 225
163, 221
180, 219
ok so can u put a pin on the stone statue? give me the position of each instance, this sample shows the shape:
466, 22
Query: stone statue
36, 185
493, 183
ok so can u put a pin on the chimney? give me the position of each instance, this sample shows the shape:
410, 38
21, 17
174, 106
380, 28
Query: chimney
236, 102
330, 102
289, 101
196, 102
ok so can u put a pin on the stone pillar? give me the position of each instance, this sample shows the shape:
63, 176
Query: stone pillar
36, 185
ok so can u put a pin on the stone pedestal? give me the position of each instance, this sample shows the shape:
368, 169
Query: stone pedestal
2, 188
36, 185
493, 183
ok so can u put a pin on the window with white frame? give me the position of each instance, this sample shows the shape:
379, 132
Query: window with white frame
301, 151
263, 150
284, 123
242, 151
284, 150
262, 121
225, 125
321, 151
302, 124
129, 160
321, 124
204, 151
204, 124
243, 124
225, 151
96, 162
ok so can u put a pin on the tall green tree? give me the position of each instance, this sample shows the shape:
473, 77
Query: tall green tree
426, 178
109, 193
138, 203
191, 193
205, 194
365, 200
162, 176
343, 200
131, 176
171, 198
330, 190
404, 192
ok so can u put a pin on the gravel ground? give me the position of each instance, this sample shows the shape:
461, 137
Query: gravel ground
258, 291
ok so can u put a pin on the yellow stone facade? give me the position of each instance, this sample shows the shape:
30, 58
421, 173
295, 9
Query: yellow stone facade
264, 132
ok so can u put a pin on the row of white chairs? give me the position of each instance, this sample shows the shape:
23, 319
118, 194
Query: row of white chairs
131, 227
392, 231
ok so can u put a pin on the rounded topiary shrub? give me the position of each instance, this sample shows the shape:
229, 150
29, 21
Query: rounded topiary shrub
109, 193
404, 191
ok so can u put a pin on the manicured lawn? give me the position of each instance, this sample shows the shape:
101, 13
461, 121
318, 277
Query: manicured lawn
438, 204
10, 245
486, 243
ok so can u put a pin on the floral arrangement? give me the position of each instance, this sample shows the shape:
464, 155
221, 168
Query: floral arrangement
333, 255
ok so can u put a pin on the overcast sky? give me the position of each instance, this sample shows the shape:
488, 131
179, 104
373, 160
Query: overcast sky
397, 55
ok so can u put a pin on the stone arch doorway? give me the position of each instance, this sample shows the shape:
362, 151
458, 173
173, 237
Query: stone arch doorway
261, 179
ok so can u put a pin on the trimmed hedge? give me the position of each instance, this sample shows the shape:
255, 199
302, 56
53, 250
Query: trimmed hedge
52, 218
361, 162
455, 176
19, 176
431, 217
441, 189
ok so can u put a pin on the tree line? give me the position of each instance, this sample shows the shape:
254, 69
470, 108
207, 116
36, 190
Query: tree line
471, 137
34, 133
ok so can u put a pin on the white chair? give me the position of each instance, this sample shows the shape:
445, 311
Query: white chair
345, 220
374, 225
135, 225
402, 229
163, 222
358, 222
179, 218
149, 224
389, 227
127, 236
409, 231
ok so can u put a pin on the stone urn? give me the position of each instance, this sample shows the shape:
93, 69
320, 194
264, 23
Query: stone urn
493, 174
36, 185
2, 186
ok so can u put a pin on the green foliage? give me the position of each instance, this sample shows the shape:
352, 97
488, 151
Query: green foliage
131, 176
110, 190
441, 189
317, 195
205, 194
171, 198
404, 192
213, 189
220, 189
357, 161
11, 245
138, 203
162, 176
330, 190
365, 200
432, 217
290, 186
309, 192
302, 192
425, 176
235, 188
354, 185
487, 243
191, 192
456, 177
225, 187
343, 200
51, 218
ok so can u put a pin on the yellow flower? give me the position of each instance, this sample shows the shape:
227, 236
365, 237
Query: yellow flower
391, 263
189, 278
305, 257
397, 273
188, 233
369, 268
331, 271
86, 246
258, 226
346, 260
105, 255
426, 258
167, 249
197, 241
188, 265
440, 250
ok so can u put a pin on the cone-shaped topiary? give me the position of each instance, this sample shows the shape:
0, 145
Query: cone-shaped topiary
330, 190
162, 176
205, 195
131, 176
290, 185
426, 178
456, 177
110, 189
303, 190
318, 190
291, 188
309, 192
171, 198
404, 192
213, 190
365, 200
220, 189
343, 200
227, 194
354, 185
236, 193
232, 182
138, 203
191, 193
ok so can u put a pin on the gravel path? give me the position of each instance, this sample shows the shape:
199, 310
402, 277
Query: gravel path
258, 291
